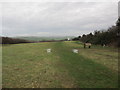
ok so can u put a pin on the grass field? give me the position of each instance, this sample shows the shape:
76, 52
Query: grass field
30, 66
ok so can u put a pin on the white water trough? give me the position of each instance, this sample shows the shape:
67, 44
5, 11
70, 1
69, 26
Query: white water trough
75, 51
49, 50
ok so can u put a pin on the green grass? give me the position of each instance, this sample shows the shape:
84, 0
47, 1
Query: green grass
0, 66
30, 66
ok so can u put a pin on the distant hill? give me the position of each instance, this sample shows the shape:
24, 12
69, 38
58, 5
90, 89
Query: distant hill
35, 38
8, 40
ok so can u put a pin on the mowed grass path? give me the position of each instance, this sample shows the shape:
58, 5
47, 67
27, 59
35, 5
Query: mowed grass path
30, 66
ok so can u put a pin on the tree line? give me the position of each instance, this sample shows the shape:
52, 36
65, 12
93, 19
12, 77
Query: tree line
8, 40
110, 36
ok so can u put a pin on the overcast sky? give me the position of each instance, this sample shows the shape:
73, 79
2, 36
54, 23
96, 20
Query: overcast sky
57, 18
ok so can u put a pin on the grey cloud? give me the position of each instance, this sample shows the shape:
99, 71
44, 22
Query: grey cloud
57, 18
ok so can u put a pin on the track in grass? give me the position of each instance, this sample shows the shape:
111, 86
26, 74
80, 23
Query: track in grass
30, 66
86, 72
